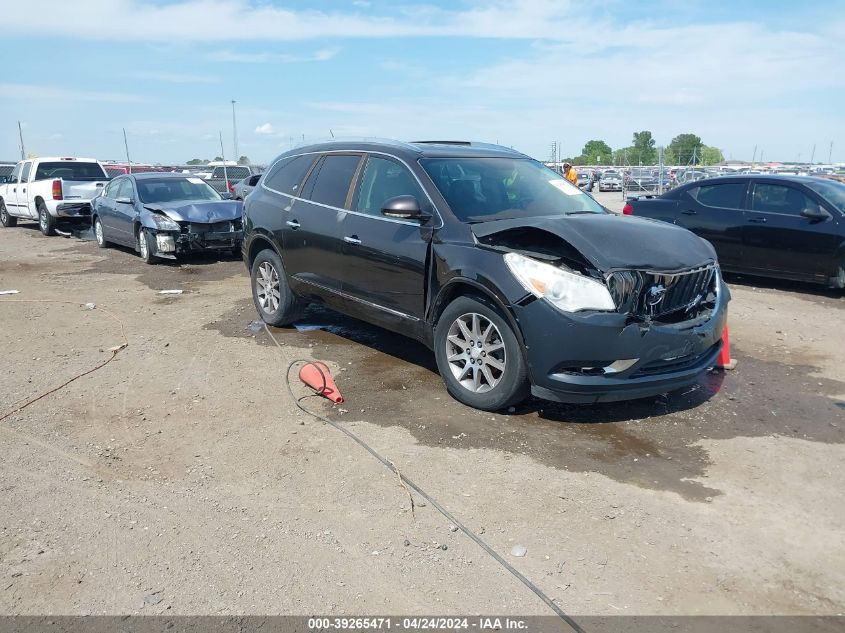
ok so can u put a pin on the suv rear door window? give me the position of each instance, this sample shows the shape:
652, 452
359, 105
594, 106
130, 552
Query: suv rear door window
287, 176
25, 172
329, 183
727, 195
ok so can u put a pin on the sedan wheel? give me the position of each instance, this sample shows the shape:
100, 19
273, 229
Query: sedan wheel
98, 233
476, 352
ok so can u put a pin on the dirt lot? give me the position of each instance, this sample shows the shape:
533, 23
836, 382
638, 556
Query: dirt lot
180, 478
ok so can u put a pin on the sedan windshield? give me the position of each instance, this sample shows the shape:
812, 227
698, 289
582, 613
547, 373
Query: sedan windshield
174, 189
830, 190
483, 189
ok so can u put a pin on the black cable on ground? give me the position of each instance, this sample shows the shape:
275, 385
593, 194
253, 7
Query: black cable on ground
389, 465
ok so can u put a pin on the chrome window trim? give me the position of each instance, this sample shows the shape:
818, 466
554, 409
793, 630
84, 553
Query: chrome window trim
263, 184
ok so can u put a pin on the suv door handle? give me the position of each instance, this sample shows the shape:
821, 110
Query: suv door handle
293, 224
759, 220
689, 212
352, 239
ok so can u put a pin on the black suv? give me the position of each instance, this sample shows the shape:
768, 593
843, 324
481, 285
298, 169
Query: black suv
519, 281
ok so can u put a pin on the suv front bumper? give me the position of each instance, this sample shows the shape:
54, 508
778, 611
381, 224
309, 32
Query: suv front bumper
596, 357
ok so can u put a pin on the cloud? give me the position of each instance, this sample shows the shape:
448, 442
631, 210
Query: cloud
35, 92
265, 128
177, 78
320, 55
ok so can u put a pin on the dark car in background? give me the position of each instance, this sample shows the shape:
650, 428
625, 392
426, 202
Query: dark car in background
520, 282
791, 227
164, 215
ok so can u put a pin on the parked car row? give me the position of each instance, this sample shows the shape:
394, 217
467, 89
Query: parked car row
160, 215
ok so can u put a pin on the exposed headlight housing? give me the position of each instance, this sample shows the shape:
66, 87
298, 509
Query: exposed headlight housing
567, 291
163, 223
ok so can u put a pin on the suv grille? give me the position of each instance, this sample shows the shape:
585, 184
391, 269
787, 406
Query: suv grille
665, 296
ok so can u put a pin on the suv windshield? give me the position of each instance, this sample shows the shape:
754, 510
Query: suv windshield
173, 189
70, 170
483, 189
830, 190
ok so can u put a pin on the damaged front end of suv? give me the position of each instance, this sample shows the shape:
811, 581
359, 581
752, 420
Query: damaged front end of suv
610, 308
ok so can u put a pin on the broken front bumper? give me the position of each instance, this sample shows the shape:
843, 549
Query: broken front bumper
596, 357
196, 238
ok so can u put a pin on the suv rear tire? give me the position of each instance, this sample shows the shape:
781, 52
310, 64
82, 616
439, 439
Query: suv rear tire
479, 356
8, 221
274, 300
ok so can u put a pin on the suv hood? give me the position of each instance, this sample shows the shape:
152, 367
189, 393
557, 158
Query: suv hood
204, 212
608, 241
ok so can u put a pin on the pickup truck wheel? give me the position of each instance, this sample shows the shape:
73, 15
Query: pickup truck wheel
146, 246
479, 356
99, 234
46, 222
6, 220
271, 293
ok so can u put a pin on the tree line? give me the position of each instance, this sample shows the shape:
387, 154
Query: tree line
243, 160
685, 149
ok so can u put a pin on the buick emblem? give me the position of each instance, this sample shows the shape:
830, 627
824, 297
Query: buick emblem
655, 295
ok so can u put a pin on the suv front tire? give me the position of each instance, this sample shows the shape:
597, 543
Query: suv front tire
479, 356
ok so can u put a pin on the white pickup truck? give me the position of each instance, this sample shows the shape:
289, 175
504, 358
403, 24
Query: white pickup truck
46, 189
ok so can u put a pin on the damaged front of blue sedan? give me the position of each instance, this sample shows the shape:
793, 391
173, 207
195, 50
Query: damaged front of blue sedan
164, 215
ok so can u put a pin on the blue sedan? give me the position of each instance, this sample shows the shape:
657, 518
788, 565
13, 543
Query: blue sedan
162, 215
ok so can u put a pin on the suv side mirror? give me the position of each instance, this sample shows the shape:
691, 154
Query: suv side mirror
124, 200
227, 195
815, 214
404, 208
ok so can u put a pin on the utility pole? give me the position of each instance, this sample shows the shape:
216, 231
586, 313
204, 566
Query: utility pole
813, 154
754, 155
235, 131
223, 156
23, 150
126, 145
829, 153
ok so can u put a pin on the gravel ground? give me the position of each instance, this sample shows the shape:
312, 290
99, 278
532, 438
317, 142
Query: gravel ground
181, 479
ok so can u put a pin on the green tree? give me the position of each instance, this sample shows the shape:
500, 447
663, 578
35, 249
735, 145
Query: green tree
197, 161
596, 152
685, 148
711, 155
643, 148
243, 160
218, 158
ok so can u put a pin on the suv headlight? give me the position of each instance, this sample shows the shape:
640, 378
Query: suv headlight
565, 290
163, 223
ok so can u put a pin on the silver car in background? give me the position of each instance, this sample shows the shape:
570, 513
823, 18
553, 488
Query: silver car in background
242, 188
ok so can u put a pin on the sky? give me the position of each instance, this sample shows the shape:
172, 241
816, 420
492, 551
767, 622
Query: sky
524, 73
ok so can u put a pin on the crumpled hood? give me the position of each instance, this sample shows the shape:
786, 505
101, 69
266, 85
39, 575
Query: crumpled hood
611, 241
204, 212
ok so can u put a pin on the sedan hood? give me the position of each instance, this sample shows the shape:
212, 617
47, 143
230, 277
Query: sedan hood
611, 242
204, 212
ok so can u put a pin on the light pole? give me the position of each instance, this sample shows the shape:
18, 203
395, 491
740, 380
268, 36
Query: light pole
235, 131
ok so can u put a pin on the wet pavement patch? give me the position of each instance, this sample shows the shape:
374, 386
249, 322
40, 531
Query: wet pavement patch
654, 443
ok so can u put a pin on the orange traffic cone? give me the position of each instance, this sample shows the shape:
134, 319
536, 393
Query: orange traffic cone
724, 361
317, 376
